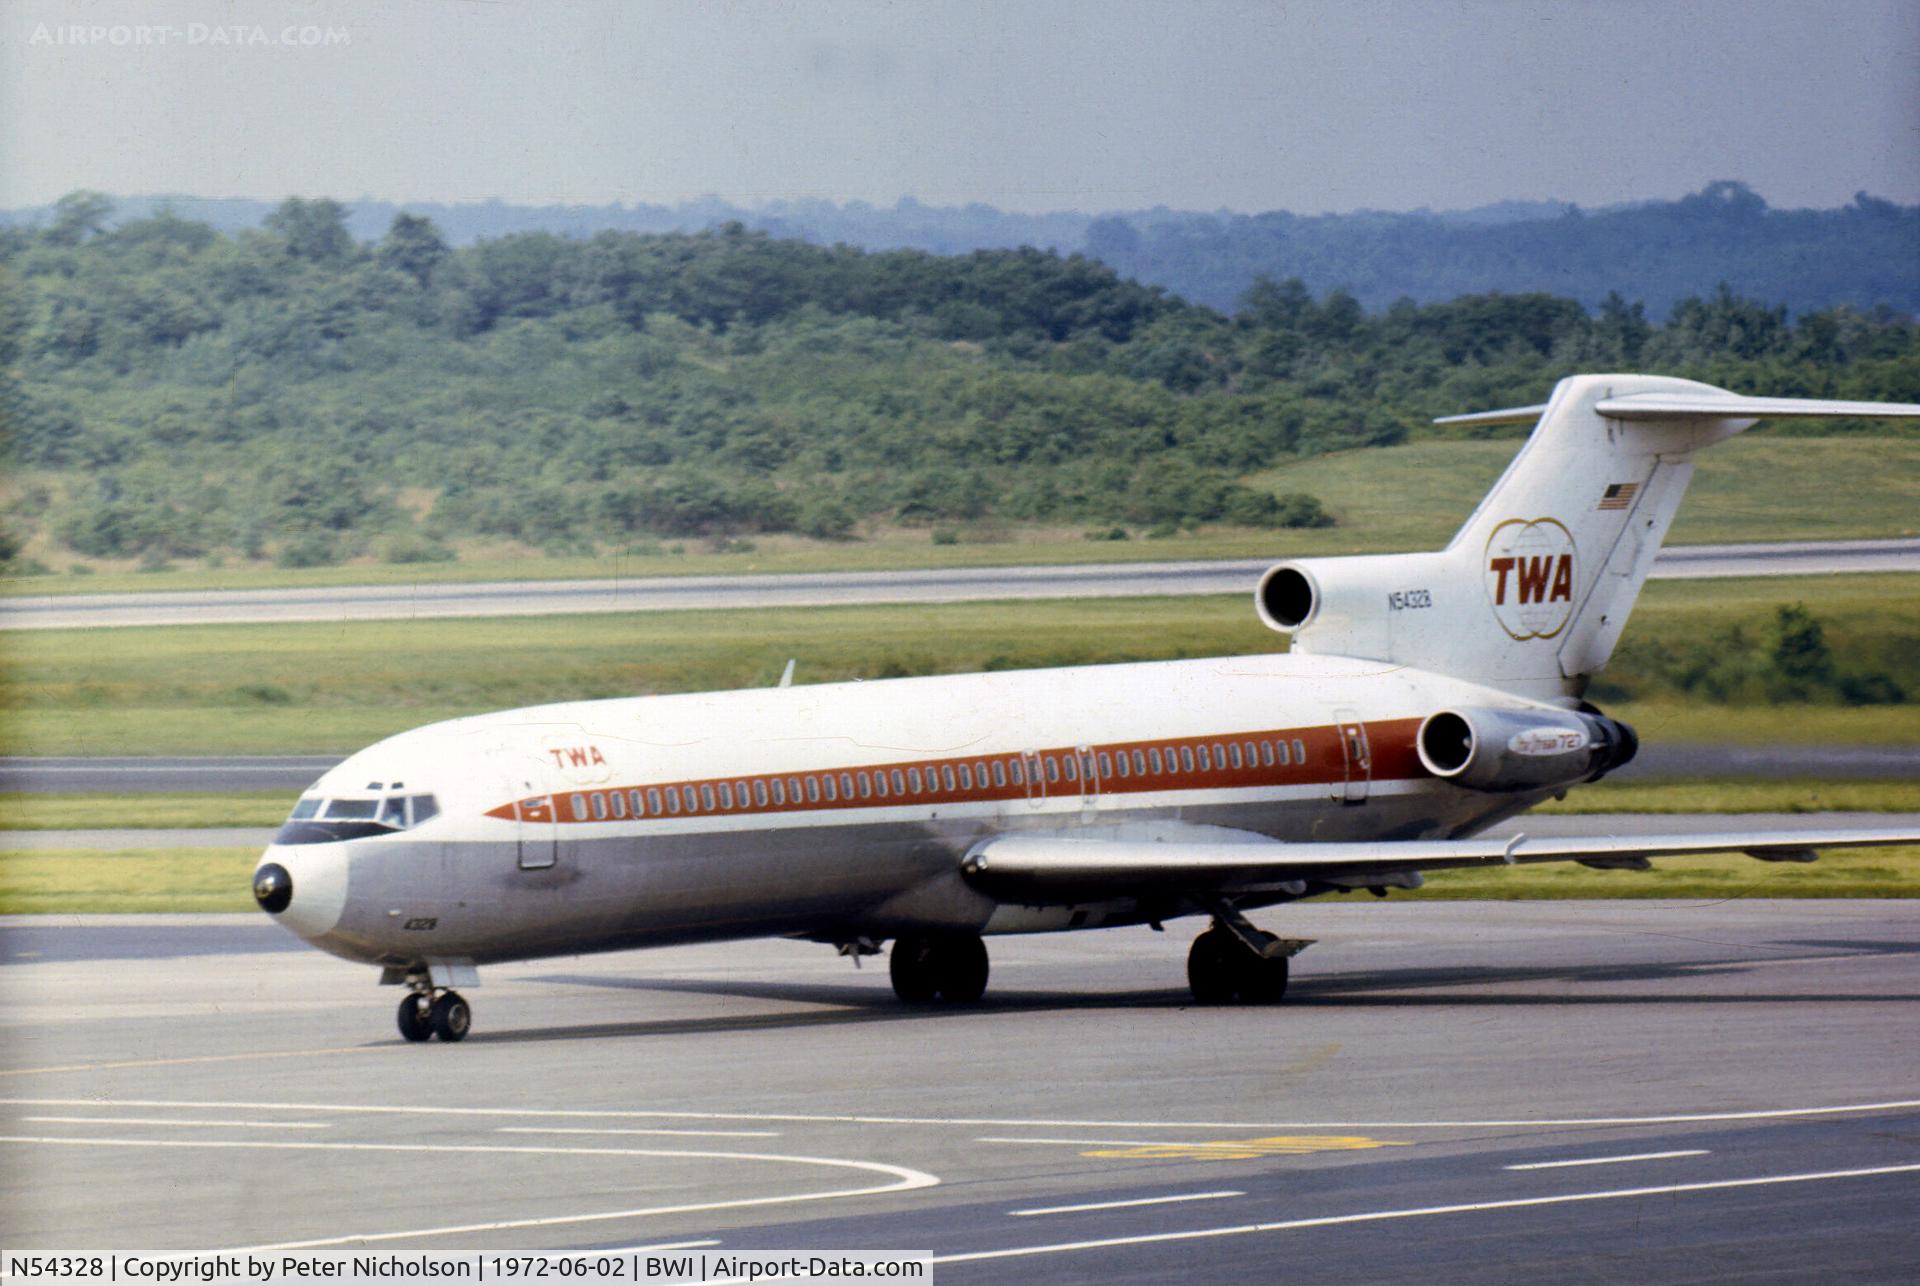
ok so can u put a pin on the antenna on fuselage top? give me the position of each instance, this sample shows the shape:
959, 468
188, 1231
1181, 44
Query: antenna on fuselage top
786, 675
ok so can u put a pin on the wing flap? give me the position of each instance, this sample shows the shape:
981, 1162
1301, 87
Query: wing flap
1078, 865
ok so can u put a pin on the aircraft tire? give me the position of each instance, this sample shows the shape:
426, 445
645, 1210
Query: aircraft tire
451, 1017
962, 969
1262, 982
416, 1017
912, 965
1210, 971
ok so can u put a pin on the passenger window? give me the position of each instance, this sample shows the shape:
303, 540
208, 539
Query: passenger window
1206, 762
829, 787
633, 799
813, 790
1186, 758
1233, 754
1266, 753
617, 803
1073, 767
599, 807
578, 803
880, 782
1120, 762
760, 791
653, 800
1053, 768
866, 785
779, 791
899, 782
1000, 772
1140, 763
689, 798
966, 777
1017, 770
1106, 764
706, 798
793, 789
673, 800
846, 785
726, 793
1299, 751
425, 808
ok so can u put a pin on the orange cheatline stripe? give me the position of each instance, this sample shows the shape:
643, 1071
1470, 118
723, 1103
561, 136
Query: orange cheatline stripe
1390, 745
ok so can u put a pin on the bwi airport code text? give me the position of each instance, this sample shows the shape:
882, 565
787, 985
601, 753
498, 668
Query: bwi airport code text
661, 1265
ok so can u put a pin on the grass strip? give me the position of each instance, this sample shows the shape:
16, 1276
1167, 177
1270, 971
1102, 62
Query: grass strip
144, 811
41, 881
124, 881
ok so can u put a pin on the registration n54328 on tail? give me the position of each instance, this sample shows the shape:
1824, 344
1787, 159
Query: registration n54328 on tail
1425, 697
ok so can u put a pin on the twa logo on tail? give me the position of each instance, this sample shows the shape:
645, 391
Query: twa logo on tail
1530, 577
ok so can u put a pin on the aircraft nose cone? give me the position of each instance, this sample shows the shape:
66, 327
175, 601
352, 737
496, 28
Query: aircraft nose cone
273, 888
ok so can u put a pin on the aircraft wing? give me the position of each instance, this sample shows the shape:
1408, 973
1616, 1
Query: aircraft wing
1054, 867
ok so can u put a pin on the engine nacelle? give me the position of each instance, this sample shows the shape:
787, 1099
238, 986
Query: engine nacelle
1508, 750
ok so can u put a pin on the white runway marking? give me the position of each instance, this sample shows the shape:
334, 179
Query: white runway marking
175, 1120
1375, 1216
905, 1180
615, 1114
1121, 1205
1105, 1143
599, 1130
1638, 1156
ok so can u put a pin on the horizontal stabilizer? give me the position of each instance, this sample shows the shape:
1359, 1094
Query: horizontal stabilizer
1043, 867
1512, 415
1727, 406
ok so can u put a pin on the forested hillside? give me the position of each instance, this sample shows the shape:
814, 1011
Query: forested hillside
1656, 252
173, 391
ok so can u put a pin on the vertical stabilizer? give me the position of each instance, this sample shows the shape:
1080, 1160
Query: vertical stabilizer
1532, 592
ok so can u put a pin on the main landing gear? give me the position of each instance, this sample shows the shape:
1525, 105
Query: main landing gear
425, 1013
948, 966
1233, 960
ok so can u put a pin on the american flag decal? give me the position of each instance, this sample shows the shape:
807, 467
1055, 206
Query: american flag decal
1619, 495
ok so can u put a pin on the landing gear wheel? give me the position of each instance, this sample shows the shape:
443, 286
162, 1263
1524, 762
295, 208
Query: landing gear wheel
416, 1016
1221, 969
963, 970
1264, 982
952, 968
911, 966
451, 1016
1210, 973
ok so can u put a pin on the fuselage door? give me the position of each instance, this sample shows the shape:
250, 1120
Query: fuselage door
1034, 776
539, 832
1358, 758
1089, 776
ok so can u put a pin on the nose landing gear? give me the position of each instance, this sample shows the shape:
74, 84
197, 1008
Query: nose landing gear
425, 1013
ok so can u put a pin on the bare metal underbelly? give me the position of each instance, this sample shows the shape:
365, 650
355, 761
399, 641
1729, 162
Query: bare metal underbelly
413, 901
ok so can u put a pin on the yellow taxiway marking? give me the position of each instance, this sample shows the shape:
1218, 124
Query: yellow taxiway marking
1283, 1145
1214, 1149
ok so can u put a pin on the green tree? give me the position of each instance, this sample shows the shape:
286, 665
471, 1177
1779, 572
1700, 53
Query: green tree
315, 231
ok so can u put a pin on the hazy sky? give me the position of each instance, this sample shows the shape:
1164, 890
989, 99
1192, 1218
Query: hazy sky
1104, 104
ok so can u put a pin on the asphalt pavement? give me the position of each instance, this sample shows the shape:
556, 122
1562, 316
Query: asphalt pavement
1636, 1091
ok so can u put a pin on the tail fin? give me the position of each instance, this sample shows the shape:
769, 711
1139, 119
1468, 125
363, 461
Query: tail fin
1533, 591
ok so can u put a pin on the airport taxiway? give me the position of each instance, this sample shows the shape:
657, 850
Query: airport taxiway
761, 591
1473, 1091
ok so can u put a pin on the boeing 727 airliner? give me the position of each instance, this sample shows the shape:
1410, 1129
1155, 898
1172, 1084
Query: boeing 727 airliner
1425, 697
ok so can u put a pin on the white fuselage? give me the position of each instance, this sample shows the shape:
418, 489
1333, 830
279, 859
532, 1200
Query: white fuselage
843, 811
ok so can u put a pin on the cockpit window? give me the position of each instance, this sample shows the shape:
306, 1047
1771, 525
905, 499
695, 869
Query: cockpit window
319, 821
